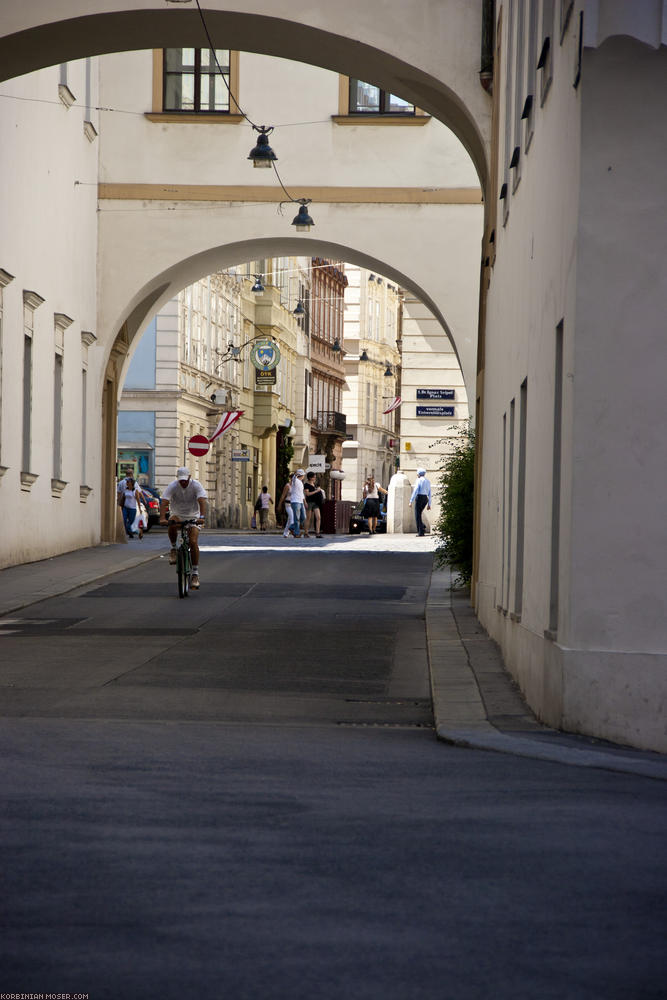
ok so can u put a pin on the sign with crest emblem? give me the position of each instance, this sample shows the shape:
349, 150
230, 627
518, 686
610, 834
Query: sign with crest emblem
265, 355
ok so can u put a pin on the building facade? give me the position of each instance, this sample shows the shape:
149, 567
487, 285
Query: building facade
373, 312
194, 363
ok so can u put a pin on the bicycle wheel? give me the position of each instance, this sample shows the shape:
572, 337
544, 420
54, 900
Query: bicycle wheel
183, 571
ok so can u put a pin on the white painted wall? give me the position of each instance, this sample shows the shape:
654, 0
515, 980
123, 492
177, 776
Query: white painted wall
583, 244
48, 242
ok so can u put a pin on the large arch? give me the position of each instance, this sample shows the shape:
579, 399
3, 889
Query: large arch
150, 299
155, 293
433, 252
435, 64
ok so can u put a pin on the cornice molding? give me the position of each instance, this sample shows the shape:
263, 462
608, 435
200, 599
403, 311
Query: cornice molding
62, 321
270, 193
66, 95
32, 299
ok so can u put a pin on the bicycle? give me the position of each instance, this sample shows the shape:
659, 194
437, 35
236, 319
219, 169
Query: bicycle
183, 558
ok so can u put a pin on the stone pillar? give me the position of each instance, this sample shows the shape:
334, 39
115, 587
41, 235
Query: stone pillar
400, 517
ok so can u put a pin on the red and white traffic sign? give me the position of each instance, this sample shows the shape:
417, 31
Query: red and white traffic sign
198, 444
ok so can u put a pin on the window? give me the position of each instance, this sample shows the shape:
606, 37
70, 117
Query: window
509, 105
31, 302
369, 100
545, 62
84, 418
5, 278
192, 81
58, 416
528, 112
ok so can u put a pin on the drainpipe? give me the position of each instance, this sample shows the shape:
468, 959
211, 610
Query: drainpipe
488, 23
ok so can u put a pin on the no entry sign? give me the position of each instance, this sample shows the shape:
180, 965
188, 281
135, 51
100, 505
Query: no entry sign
198, 445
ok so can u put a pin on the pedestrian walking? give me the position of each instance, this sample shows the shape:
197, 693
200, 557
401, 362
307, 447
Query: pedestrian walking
285, 506
297, 502
314, 496
264, 500
372, 492
421, 497
129, 500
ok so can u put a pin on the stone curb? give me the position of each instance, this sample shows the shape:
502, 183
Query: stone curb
460, 716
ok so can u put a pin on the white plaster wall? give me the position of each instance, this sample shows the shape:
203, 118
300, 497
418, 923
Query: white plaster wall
299, 100
618, 608
585, 244
532, 288
48, 242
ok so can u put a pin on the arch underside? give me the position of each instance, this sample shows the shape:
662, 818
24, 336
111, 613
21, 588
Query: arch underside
166, 285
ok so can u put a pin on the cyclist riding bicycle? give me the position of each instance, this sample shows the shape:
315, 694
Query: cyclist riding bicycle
186, 498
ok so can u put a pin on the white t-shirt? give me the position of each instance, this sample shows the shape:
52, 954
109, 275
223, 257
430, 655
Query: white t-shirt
296, 491
265, 500
183, 502
130, 498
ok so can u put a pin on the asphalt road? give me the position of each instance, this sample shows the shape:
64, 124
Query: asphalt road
240, 796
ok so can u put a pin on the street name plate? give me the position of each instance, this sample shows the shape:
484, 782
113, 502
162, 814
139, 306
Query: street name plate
435, 411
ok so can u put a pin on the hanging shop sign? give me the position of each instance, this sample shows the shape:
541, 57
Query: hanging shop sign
265, 377
436, 394
317, 463
435, 411
265, 355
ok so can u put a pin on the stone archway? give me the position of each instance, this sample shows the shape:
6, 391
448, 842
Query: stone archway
436, 64
163, 287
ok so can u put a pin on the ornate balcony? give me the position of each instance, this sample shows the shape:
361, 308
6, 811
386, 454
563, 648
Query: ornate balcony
331, 422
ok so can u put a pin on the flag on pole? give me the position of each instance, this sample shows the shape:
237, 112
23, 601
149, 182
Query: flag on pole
225, 422
395, 403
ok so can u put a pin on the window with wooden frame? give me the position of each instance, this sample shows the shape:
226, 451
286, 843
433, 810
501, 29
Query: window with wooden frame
187, 86
364, 103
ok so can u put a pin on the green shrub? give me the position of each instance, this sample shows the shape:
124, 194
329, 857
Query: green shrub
456, 492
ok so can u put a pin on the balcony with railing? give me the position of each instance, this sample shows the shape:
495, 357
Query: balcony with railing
330, 422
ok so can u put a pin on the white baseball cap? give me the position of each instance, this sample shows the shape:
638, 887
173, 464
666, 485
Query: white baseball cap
182, 473
299, 472
421, 472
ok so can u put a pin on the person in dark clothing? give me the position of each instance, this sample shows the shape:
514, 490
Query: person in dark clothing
314, 497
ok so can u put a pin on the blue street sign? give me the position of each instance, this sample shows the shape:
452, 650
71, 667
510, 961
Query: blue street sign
436, 393
435, 411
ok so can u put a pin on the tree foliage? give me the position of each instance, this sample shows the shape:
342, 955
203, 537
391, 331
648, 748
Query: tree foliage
456, 491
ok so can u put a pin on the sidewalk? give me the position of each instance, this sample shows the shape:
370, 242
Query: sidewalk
476, 703
23, 585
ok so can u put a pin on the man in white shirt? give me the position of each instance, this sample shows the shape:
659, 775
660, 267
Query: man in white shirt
421, 497
186, 498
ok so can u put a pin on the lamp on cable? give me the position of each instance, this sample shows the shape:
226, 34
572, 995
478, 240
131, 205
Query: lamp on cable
258, 287
302, 222
388, 372
261, 154
299, 310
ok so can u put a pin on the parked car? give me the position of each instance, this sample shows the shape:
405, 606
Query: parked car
359, 523
152, 503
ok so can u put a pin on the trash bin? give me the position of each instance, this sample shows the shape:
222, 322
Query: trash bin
336, 516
